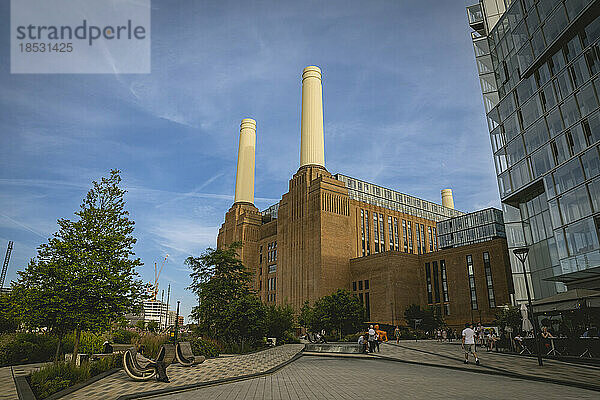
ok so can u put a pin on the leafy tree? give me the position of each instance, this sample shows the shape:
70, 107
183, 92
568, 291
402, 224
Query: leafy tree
219, 279
140, 324
306, 318
243, 321
509, 316
340, 311
152, 326
8, 317
430, 319
85, 277
279, 321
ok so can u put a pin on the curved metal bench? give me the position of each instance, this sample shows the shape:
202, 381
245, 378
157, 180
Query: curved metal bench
138, 367
185, 355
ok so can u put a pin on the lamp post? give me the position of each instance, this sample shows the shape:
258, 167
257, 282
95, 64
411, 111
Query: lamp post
177, 321
521, 254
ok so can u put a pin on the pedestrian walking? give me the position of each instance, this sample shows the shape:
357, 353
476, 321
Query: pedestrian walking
468, 343
479, 335
444, 335
397, 334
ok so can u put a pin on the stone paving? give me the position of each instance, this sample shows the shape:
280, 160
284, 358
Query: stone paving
119, 383
299, 384
373, 378
451, 354
7, 383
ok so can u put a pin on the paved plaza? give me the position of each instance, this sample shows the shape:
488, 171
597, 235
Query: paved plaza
451, 355
353, 378
426, 369
8, 391
212, 369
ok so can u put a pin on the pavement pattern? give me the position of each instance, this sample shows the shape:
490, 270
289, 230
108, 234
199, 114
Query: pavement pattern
8, 391
353, 378
452, 355
119, 383
417, 362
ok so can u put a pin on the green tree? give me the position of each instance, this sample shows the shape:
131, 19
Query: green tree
243, 321
85, 277
509, 316
152, 326
340, 311
8, 318
306, 318
279, 321
219, 279
140, 324
429, 318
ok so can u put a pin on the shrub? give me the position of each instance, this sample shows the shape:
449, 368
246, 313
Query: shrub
58, 376
90, 343
151, 343
352, 337
104, 364
289, 337
18, 348
124, 336
203, 347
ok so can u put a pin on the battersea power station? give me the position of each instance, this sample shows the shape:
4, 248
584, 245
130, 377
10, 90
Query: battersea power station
390, 249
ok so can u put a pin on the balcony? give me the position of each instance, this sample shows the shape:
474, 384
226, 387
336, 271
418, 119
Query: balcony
475, 16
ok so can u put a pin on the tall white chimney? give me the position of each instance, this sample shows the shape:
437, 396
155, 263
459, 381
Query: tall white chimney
244, 181
312, 147
447, 199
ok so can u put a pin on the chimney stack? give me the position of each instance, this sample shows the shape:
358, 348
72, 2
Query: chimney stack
244, 181
447, 199
312, 148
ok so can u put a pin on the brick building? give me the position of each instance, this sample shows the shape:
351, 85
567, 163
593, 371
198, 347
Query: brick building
334, 231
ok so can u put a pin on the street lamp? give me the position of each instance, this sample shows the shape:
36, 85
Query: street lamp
521, 254
177, 321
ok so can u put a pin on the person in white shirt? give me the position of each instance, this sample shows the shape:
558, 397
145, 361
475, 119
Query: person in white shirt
362, 343
372, 338
468, 343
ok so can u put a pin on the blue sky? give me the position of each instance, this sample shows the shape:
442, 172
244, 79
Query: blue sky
402, 108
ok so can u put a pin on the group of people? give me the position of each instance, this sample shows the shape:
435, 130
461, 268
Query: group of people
374, 337
443, 335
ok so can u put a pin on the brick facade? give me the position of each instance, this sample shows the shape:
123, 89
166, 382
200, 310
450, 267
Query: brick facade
317, 238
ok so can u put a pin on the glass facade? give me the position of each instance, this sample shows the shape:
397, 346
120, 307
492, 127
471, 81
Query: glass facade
475, 227
270, 213
393, 200
538, 67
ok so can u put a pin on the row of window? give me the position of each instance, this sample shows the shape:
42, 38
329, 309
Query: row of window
358, 285
488, 279
393, 235
403, 199
363, 296
525, 33
433, 289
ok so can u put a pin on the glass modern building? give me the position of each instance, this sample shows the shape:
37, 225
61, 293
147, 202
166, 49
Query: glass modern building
475, 227
538, 64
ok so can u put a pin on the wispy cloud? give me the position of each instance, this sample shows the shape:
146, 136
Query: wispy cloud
402, 107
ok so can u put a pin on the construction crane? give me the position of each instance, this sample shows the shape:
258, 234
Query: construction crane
5, 266
154, 287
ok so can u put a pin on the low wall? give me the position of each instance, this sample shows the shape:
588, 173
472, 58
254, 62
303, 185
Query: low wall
336, 347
